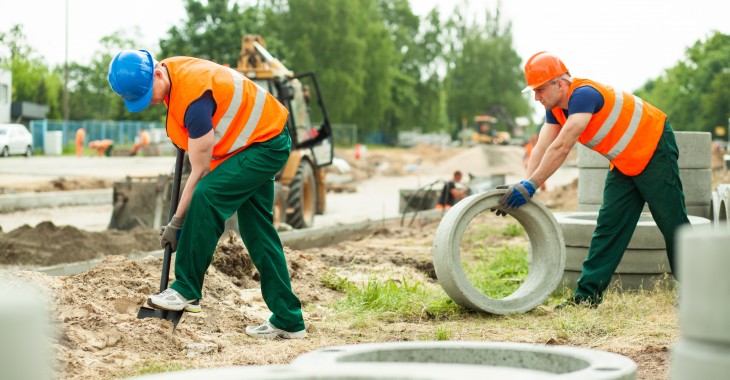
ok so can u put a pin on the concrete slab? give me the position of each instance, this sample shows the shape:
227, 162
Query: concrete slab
545, 267
704, 309
562, 362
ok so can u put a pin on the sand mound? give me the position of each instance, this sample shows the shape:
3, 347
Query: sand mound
48, 244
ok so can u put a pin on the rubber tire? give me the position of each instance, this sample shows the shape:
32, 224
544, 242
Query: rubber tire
6, 152
28, 151
302, 197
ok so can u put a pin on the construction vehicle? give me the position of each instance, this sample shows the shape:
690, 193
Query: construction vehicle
486, 126
300, 187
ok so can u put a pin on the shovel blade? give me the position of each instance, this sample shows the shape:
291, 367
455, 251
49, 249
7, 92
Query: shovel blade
173, 316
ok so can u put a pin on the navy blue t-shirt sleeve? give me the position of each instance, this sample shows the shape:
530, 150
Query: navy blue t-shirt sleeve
585, 99
199, 116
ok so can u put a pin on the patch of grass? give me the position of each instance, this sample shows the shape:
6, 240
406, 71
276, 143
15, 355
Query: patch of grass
513, 230
499, 273
398, 299
443, 333
331, 280
152, 367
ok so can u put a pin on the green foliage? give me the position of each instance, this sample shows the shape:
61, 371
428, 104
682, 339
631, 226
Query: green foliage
498, 274
485, 70
332, 281
443, 334
695, 93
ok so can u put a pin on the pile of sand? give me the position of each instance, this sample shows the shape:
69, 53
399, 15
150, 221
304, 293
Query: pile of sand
47, 244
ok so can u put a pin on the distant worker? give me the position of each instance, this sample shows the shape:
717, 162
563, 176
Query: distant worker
452, 192
103, 147
143, 142
235, 136
80, 136
639, 142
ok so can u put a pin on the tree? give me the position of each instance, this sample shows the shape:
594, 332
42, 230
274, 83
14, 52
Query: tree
485, 69
213, 31
694, 93
32, 79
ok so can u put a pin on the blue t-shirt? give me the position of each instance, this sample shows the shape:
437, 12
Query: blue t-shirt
199, 115
585, 99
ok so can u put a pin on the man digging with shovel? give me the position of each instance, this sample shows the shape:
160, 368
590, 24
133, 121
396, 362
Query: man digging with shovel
234, 133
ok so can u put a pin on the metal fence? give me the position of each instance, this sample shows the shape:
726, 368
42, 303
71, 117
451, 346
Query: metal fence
121, 132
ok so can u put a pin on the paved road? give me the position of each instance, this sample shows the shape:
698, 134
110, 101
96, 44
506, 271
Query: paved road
375, 198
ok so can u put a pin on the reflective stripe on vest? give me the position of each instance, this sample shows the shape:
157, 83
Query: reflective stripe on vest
605, 128
233, 108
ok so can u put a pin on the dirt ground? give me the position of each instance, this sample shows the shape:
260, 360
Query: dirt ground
98, 335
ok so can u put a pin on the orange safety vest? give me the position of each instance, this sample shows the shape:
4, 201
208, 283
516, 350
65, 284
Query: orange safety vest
626, 130
245, 113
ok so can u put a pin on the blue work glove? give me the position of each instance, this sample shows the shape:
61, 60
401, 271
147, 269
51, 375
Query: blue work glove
170, 233
518, 194
498, 211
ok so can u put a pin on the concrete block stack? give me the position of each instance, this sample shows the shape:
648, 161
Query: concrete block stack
695, 170
703, 351
644, 263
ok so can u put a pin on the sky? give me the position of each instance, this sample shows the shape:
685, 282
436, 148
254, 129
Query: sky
622, 43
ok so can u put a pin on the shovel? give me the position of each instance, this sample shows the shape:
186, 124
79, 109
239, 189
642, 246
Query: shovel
147, 312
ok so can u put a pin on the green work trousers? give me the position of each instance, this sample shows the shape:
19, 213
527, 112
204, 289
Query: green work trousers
243, 183
660, 187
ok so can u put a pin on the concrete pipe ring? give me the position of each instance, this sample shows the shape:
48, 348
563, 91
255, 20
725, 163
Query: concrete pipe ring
643, 261
699, 360
545, 268
553, 362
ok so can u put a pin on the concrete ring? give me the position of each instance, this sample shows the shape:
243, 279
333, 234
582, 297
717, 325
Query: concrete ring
699, 360
578, 227
545, 267
634, 260
554, 362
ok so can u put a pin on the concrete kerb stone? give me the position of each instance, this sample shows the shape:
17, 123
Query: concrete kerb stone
544, 269
578, 227
557, 362
24, 201
353, 371
692, 360
704, 309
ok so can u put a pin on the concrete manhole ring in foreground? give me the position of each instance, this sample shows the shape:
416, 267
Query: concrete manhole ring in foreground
532, 360
545, 267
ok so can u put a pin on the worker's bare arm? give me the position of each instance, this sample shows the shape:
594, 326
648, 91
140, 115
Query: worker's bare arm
560, 147
200, 152
548, 133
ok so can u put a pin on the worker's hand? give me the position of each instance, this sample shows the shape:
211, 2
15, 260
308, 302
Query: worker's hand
498, 211
518, 194
170, 233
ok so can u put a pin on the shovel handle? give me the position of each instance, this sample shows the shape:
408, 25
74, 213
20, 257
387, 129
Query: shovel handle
174, 200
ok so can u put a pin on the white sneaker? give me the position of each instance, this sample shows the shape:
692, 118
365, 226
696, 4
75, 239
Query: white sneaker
267, 330
174, 301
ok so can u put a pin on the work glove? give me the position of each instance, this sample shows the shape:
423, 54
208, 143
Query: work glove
170, 233
518, 194
498, 211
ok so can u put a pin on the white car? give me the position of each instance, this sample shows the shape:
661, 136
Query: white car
15, 139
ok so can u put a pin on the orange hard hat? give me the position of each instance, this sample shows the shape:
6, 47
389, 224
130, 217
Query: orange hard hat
542, 68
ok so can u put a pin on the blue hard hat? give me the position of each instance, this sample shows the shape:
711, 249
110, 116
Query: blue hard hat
131, 74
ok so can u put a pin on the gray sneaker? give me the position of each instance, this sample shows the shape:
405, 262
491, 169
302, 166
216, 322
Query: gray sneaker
174, 301
267, 330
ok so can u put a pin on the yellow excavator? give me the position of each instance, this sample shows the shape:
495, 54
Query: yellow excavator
300, 187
